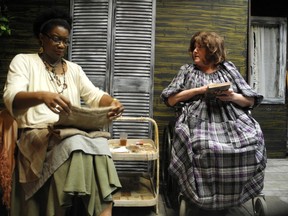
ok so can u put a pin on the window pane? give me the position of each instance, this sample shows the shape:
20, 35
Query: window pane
267, 74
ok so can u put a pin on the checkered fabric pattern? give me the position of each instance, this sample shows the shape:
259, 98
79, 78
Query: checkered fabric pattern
218, 153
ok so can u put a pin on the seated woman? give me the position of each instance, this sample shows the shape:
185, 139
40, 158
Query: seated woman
71, 176
218, 152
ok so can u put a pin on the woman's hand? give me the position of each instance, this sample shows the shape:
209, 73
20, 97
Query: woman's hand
225, 95
117, 109
57, 103
237, 98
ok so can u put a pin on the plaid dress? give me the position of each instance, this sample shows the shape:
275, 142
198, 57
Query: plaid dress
218, 153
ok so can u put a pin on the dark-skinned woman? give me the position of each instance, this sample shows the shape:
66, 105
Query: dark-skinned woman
73, 176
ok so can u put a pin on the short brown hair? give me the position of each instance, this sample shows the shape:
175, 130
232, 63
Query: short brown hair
212, 42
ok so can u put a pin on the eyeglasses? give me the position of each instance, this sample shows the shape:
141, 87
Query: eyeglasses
58, 40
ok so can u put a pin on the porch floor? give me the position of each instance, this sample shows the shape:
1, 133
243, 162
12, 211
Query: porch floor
275, 192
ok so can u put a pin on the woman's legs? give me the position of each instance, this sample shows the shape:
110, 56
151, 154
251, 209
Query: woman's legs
78, 176
90, 178
107, 211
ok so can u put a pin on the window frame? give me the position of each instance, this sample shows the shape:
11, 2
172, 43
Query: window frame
281, 24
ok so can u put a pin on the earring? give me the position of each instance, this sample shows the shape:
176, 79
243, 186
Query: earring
40, 50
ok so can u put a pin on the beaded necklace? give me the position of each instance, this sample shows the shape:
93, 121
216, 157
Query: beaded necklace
54, 77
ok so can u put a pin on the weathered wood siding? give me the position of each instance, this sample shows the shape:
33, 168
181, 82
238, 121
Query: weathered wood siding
273, 120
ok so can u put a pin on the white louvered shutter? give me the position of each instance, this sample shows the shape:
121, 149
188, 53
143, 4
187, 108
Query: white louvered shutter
132, 62
90, 39
113, 40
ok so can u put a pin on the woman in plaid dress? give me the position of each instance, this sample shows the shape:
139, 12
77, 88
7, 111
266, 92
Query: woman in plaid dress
218, 151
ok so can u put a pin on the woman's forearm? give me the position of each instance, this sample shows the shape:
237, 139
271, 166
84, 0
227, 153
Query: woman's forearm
243, 101
185, 95
24, 100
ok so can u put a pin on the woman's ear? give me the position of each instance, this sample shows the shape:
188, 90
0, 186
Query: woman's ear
41, 36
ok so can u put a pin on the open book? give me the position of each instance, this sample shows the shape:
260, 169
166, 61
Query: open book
215, 88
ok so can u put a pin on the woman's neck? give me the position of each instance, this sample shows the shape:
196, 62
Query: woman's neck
52, 62
208, 68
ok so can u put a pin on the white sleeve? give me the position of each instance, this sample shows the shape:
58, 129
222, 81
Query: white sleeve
17, 80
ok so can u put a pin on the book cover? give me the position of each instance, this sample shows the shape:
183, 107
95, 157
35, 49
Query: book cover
215, 88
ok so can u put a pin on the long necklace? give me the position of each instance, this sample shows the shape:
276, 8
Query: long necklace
54, 77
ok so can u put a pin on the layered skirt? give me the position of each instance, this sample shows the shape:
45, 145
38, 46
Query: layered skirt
78, 179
